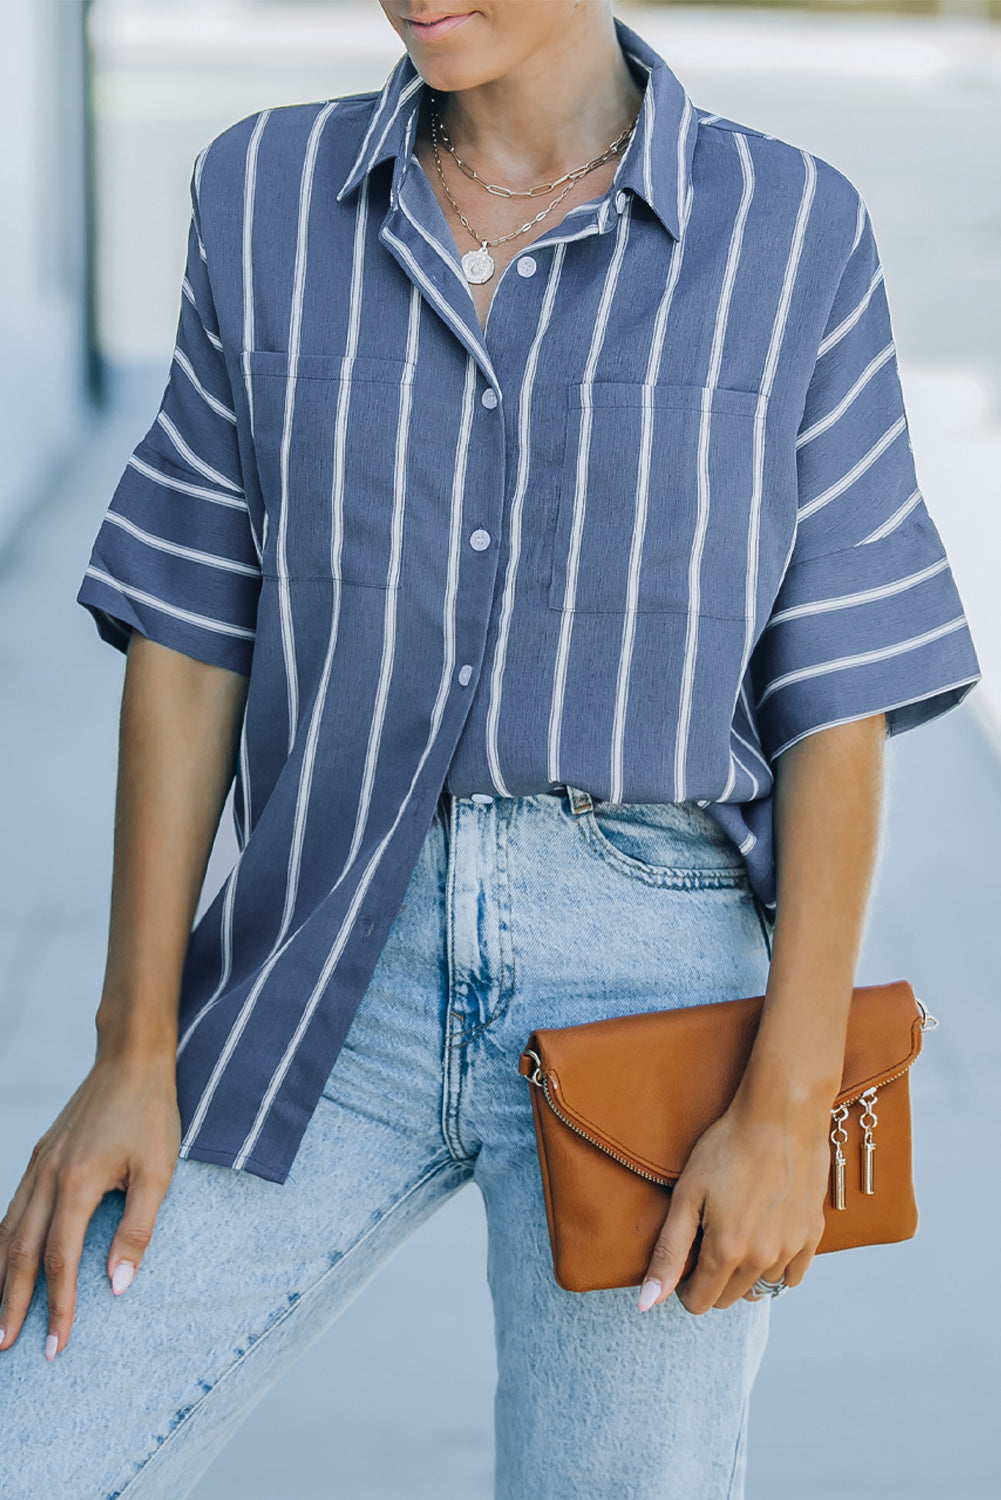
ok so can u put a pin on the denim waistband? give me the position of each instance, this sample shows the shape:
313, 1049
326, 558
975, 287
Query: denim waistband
578, 801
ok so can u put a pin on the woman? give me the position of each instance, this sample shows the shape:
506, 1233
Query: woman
551, 619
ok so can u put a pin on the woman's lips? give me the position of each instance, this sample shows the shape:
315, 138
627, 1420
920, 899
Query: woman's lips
427, 31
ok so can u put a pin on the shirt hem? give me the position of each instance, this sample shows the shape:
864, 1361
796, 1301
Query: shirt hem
218, 1158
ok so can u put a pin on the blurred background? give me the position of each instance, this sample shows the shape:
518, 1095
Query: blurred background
882, 1373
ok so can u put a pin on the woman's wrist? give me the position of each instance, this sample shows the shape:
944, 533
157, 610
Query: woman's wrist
795, 1067
787, 1082
788, 1095
143, 1032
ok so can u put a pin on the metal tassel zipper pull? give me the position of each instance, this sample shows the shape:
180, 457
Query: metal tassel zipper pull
868, 1122
839, 1139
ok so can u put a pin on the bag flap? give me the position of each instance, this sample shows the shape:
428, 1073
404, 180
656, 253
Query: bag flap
647, 1086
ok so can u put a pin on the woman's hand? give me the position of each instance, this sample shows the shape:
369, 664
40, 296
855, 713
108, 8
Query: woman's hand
121, 1129
755, 1183
757, 1179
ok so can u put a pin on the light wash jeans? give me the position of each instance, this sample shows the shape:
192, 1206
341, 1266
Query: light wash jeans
521, 912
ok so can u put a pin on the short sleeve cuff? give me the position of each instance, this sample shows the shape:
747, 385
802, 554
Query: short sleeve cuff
119, 608
878, 627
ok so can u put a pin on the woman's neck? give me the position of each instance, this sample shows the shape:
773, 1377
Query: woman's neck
548, 115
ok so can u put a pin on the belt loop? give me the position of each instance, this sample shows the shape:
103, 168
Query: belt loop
580, 802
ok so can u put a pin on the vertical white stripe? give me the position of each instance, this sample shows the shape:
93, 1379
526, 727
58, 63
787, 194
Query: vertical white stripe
344, 392
688, 122
687, 695
249, 196
522, 479
779, 325
374, 745
649, 99
580, 492
445, 686
295, 335
640, 512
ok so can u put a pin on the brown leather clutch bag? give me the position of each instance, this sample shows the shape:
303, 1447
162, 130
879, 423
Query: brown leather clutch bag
619, 1104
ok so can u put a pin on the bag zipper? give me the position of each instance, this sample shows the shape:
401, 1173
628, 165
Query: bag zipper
928, 1023
541, 1081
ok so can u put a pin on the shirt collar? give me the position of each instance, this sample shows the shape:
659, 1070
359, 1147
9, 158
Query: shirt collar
657, 162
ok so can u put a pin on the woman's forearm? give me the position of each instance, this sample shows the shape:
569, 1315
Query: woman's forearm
754, 1182
827, 819
179, 734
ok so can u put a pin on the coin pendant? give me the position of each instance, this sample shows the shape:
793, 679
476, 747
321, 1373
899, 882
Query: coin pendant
478, 265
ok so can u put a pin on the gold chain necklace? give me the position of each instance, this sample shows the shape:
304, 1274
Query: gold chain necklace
478, 265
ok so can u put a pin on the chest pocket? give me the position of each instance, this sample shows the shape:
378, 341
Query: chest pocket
325, 443
651, 476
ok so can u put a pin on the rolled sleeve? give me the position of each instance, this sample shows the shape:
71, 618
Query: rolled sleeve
176, 556
868, 618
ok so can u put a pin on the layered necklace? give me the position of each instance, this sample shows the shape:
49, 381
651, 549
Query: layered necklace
479, 264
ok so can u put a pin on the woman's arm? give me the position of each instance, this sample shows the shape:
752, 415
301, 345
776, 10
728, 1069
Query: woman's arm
178, 743
180, 724
757, 1179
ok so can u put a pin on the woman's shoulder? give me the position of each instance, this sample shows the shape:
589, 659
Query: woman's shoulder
779, 168
271, 144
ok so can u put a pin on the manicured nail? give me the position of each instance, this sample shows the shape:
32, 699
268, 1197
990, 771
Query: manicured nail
122, 1277
51, 1345
2, 1333
649, 1292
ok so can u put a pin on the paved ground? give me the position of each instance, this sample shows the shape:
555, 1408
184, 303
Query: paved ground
882, 1368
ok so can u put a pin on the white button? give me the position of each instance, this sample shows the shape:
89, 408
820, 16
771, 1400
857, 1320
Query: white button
465, 673
480, 540
620, 201
489, 399
526, 266
480, 797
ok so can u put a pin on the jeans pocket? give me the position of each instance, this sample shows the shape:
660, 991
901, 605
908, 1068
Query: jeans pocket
663, 843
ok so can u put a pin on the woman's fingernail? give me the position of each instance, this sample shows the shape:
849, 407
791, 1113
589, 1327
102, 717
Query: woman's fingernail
122, 1276
2, 1332
649, 1292
51, 1345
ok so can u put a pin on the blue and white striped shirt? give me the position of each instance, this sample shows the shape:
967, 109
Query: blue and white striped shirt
651, 527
